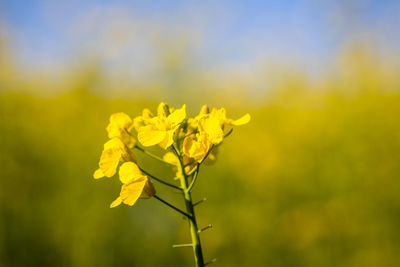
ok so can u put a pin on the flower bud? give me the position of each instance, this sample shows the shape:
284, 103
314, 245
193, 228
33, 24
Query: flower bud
204, 110
163, 109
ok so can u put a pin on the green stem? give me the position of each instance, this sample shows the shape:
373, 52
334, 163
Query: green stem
196, 174
192, 171
194, 231
153, 156
159, 180
228, 133
208, 153
172, 206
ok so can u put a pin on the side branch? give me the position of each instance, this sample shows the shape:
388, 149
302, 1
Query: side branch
196, 174
181, 166
173, 207
228, 133
208, 153
159, 180
153, 156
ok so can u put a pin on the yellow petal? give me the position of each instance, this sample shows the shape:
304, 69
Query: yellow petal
125, 153
138, 123
147, 114
168, 140
121, 119
109, 161
143, 120
197, 148
171, 158
98, 174
114, 143
242, 120
219, 114
129, 171
149, 135
204, 110
187, 145
128, 139
116, 202
212, 127
177, 116
118, 122
131, 191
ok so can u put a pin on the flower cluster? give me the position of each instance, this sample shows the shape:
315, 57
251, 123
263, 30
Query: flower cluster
194, 139
118, 149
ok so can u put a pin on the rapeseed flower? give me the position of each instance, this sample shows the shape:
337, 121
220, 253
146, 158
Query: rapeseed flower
160, 130
120, 126
114, 152
209, 131
135, 185
192, 142
214, 122
197, 146
195, 140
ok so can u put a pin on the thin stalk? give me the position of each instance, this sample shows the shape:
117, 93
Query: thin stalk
154, 156
160, 181
182, 245
208, 153
196, 174
228, 133
192, 171
194, 231
199, 202
172, 206
196, 169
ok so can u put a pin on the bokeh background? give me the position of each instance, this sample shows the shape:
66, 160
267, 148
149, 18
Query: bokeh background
313, 180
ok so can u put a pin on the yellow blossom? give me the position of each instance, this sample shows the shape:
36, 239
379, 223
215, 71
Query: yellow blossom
120, 126
135, 185
194, 139
214, 122
194, 122
114, 152
160, 130
197, 147
212, 128
143, 120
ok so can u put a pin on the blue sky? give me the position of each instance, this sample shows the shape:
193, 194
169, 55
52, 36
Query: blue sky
219, 34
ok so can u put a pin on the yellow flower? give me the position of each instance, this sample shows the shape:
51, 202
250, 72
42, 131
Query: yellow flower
120, 126
200, 136
114, 152
143, 120
160, 130
197, 147
193, 123
241, 121
135, 185
211, 127
213, 124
